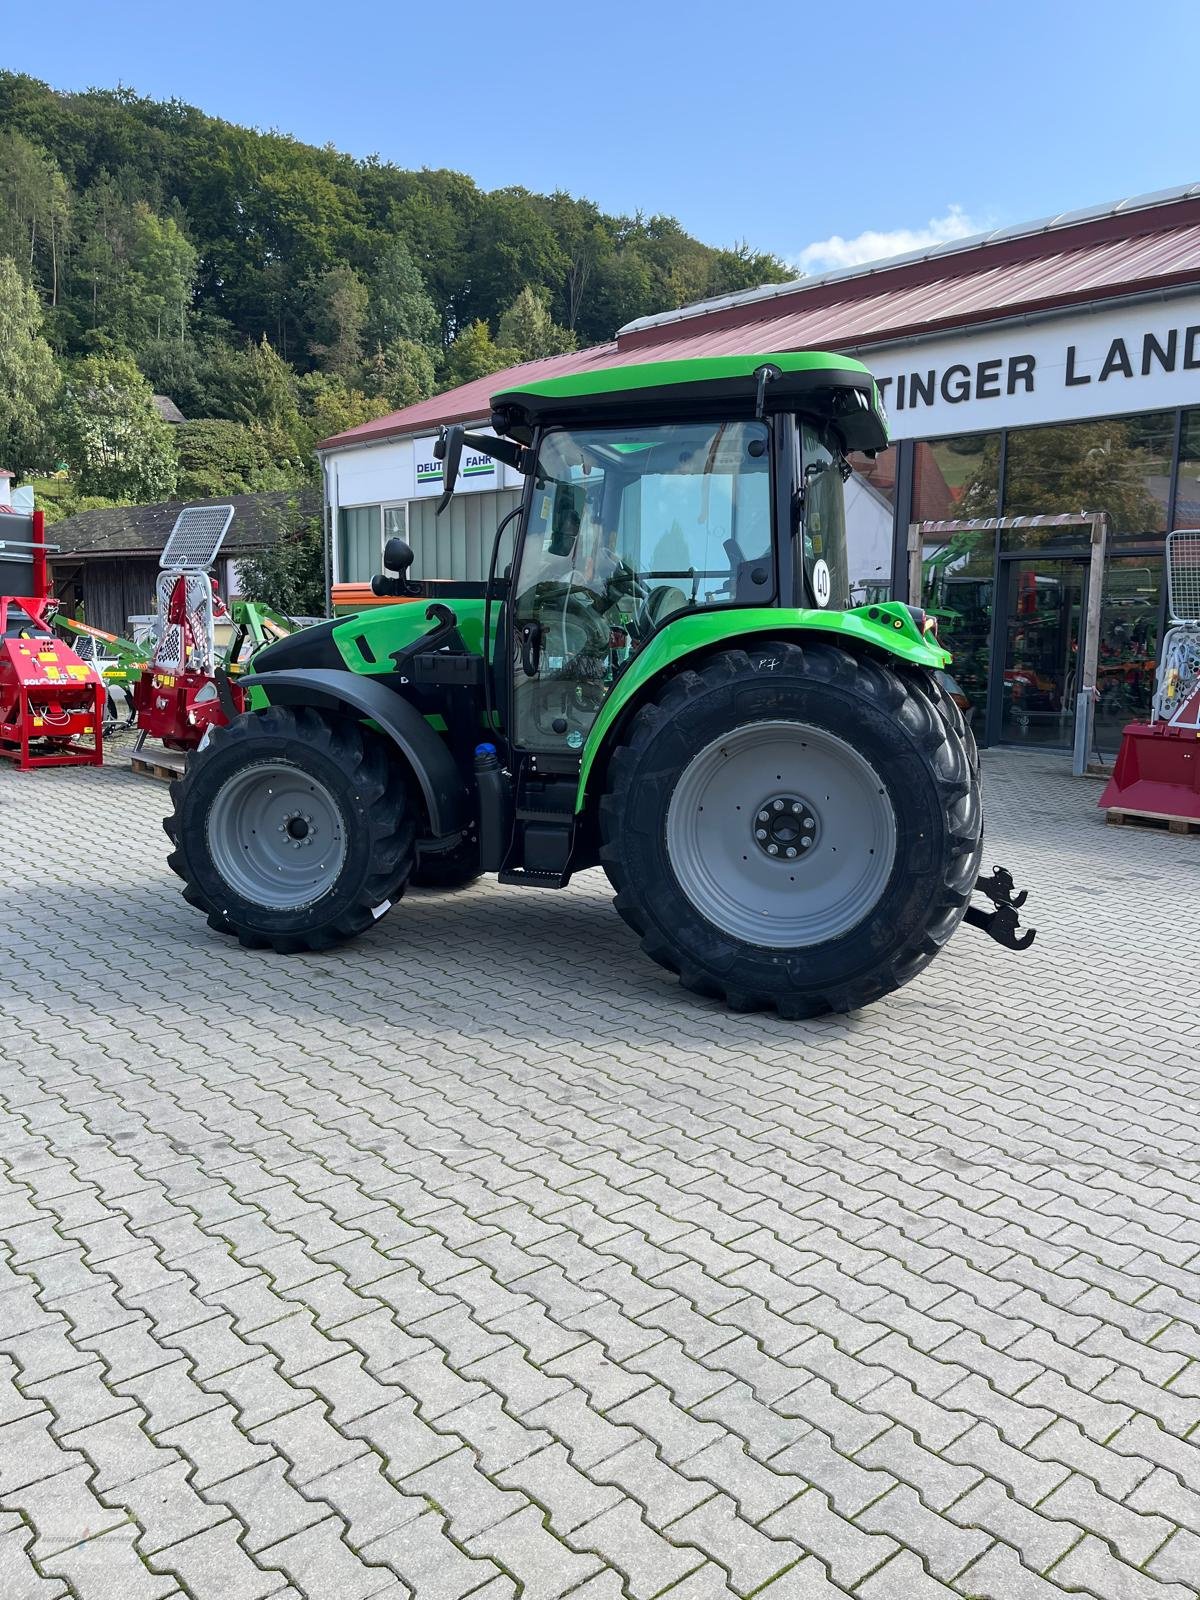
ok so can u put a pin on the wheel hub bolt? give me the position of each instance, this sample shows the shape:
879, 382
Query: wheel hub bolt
764, 816
791, 851
772, 849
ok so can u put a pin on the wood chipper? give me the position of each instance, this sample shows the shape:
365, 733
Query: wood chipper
51, 702
667, 682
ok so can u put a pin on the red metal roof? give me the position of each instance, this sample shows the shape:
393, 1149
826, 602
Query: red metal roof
1157, 247
471, 400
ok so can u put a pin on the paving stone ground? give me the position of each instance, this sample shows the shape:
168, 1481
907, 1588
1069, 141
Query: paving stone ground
478, 1259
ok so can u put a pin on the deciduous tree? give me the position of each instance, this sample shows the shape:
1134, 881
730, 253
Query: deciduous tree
474, 354
527, 326
28, 375
112, 436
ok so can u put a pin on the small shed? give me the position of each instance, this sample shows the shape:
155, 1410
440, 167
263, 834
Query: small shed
107, 560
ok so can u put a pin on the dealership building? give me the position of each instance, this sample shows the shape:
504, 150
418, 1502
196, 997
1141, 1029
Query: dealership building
1034, 373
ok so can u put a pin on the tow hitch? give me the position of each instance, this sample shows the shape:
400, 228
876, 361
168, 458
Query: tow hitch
1001, 923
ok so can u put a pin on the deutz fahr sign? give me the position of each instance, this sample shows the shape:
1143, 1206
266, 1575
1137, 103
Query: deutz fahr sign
475, 471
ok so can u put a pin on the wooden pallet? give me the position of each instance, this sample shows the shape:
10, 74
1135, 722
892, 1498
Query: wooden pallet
1120, 818
165, 765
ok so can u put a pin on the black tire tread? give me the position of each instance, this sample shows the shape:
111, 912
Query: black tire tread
934, 723
448, 869
378, 780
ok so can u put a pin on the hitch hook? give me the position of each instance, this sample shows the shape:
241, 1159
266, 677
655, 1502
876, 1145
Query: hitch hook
999, 888
1001, 925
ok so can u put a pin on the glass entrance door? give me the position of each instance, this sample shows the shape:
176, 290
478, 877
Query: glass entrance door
1043, 640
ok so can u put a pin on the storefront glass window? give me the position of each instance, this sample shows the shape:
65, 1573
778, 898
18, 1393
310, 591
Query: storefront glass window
955, 480
1129, 617
1187, 493
958, 584
870, 509
1121, 465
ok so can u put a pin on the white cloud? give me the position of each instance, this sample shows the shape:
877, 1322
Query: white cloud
824, 255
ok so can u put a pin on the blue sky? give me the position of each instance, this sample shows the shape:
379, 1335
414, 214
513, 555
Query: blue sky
830, 134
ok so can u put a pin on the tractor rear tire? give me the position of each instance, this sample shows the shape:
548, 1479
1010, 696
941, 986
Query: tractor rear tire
790, 827
293, 829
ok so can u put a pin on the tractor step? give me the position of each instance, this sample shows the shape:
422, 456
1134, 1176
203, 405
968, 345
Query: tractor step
532, 879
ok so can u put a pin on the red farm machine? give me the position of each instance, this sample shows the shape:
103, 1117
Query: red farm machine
51, 702
175, 697
1157, 772
174, 681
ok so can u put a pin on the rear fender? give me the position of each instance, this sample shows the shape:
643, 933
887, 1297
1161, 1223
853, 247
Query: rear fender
443, 789
891, 628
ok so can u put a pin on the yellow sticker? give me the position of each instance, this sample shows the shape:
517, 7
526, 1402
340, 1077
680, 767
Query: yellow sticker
547, 506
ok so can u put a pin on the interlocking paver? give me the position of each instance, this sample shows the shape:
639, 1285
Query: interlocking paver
649, 1562
751, 1557
343, 1287
108, 1564
19, 1578
849, 1552
266, 1504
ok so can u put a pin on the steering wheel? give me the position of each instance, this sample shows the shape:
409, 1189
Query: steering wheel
583, 631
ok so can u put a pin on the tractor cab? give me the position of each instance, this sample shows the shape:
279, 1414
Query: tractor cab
709, 486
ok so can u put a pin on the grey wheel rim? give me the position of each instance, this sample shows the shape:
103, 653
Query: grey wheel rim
277, 836
738, 819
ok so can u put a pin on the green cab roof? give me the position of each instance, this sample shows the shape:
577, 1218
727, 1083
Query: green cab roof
834, 387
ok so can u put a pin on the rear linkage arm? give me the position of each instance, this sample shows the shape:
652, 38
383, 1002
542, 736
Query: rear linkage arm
1002, 923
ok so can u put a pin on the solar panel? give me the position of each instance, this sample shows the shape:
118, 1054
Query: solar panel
196, 537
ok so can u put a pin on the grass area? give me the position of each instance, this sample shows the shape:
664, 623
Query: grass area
60, 497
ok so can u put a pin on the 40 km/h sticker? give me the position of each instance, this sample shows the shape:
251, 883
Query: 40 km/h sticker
821, 582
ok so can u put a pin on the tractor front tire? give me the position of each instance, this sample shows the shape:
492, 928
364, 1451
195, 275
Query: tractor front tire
293, 830
793, 827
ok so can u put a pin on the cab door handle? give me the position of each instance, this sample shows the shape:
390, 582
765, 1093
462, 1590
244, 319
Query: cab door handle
531, 649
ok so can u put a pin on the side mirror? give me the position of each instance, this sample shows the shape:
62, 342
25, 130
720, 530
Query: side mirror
398, 556
448, 450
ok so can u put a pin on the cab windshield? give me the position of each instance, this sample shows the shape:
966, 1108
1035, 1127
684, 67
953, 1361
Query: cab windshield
627, 527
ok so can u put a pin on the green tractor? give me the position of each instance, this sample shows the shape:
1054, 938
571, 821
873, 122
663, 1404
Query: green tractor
658, 677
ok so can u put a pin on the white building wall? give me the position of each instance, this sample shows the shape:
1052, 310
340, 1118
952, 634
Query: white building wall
868, 534
403, 472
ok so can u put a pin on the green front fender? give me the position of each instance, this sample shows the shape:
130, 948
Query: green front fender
890, 627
